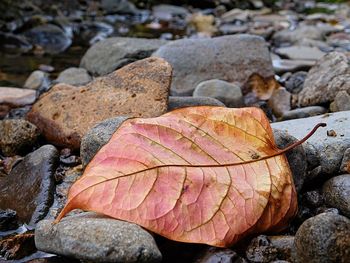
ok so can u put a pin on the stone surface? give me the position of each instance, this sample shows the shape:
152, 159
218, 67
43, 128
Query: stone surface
166, 12
336, 192
228, 93
66, 113
288, 65
29, 187
280, 101
118, 6
295, 83
329, 149
345, 163
222, 255
98, 239
74, 76
300, 53
37, 80
17, 136
50, 37
115, 52
303, 112
16, 97
183, 102
341, 102
300, 33
8, 220
98, 136
230, 58
321, 84
324, 239
296, 157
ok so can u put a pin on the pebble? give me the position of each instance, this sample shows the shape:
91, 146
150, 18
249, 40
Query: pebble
323, 239
98, 136
116, 52
222, 255
300, 52
336, 192
16, 97
37, 80
29, 187
341, 102
95, 238
228, 93
74, 76
118, 7
280, 101
288, 65
322, 85
166, 12
298, 34
231, 58
183, 102
303, 112
139, 89
17, 136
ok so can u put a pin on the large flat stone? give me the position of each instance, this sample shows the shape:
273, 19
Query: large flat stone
66, 113
229, 58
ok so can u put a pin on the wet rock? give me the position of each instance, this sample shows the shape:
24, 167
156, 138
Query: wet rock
270, 248
230, 58
300, 52
295, 83
183, 102
38, 80
303, 112
29, 187
323, 239
17, 136
116, 52
118, 7
345, 163
329, 149
336, 192
95, 238
74, 76
298, 34
341, 102
280, 101
222, 255
50, 37
8, 220
66, 113
228, 93
321, 84
98, 136
296, 157
18, 246
13, 43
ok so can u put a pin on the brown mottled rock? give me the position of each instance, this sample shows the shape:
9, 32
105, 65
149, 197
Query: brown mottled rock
66, 113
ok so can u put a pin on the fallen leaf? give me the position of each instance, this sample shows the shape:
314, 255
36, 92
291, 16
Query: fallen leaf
208, 175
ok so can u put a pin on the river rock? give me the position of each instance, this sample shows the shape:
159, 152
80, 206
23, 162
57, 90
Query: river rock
295, 83
300, 52
16, 97
29, 187
228, 93
280, 101
118, 6
95, 238
289, 65
37, 80
166, 12
323, 239
222, 255
183, 102
341, 102
345, 163
303, 112
66, 113
74, 76
298, 34
322, 84
98, 136
50, 37
231, 58
329, 149
336, 192
116, 52
17, 136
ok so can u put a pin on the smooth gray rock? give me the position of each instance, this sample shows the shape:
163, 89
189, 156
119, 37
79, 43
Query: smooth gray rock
336, 192
37, 80
30, 186
118, 6
300, 52
95, 238
329, 149
166, 12
228, 93
74, 76
183, 102
98, 136
116, 52
298, 34
321, 84
303, 112
230, 58
323, 239
17, 136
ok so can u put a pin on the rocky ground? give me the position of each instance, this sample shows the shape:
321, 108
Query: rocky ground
72, 72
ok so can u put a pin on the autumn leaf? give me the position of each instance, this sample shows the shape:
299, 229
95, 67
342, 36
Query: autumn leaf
208, 175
